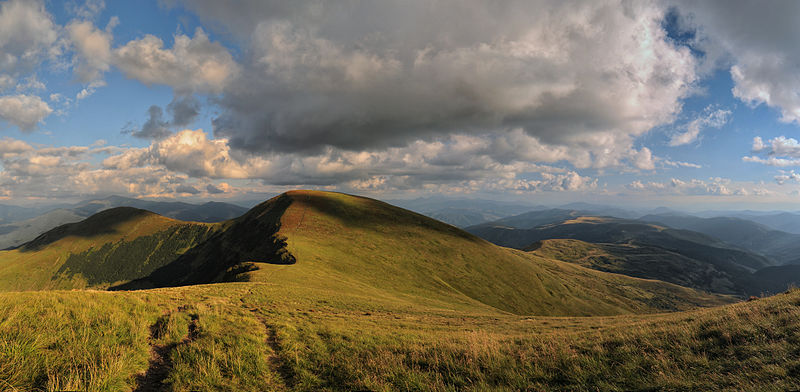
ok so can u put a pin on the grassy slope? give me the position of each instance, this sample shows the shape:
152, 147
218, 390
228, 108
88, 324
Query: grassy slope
646, 262
339, 242
356, 244
95, 252
256, 336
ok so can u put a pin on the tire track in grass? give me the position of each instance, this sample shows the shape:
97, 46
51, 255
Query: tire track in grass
160, 363
276, 362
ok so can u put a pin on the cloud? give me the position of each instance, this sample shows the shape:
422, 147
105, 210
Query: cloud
714, 186
184, 188
155, 127
711, 119
27, 36
183, 109
192, 64
780, 151
23, 111
756, 43
93, 50
643, 159
787, 176
12, 147
581, 80
671, 163
215, 190
86, 10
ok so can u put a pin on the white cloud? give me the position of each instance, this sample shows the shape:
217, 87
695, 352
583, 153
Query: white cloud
711, 119
780, 151
93, 50
192, 64
23, 111
757, 43
786, 176
643, 159
714, 186
27, 35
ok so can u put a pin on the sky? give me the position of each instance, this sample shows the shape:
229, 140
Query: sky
684, 104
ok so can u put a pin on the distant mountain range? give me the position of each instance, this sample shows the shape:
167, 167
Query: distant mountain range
729, 255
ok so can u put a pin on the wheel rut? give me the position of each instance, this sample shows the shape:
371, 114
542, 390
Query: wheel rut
276, 362
160, 362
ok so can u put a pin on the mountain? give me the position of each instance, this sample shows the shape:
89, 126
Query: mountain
208, 212
9, 213
116, 245
463, 217
732, 267
782, 247
651, 262
17, 233
600, 210
463, 212
531, 219
783, 221
331, 242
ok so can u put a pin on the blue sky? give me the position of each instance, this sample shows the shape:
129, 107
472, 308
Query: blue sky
650, 103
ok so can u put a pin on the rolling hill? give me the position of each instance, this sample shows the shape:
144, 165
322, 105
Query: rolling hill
649, 262
329, 241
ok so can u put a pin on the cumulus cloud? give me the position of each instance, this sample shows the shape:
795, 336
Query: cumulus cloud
714, 186
756, 43
710, 119
192, 64
780, 151
93, 50
27, 35
581, 80
23, 111
786, 176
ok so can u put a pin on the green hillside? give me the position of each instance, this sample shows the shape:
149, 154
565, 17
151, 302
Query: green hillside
113, 246
372, 247
650, 262
336, 242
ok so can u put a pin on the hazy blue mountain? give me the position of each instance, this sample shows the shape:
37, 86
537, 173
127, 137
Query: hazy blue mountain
780, 246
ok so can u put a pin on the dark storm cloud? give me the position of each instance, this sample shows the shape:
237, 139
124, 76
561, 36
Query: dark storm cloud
183, 188
184, 109
156, 127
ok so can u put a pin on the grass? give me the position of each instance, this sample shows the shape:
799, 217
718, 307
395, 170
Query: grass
117, 245
258, 336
